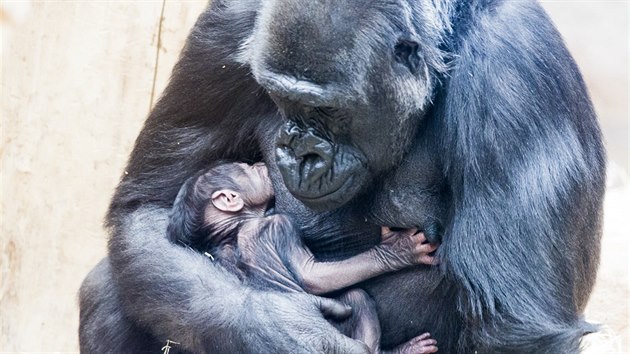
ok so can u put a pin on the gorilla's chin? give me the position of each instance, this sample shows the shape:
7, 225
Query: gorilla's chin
332, 200
322, 175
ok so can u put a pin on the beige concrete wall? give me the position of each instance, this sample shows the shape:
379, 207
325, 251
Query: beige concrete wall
77, 83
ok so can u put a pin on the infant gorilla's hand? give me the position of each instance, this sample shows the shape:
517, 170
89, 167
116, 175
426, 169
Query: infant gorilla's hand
400, 249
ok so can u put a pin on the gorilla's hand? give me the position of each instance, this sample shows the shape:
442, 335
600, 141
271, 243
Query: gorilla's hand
274, 322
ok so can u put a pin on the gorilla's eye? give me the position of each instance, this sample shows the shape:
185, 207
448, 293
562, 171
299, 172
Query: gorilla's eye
406, 53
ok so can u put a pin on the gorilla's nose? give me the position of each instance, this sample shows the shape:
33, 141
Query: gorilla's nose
314, 153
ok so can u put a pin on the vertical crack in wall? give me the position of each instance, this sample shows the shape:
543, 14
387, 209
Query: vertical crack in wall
157, 56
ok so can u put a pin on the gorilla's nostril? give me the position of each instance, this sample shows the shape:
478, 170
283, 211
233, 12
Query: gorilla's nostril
315, 154
316, 170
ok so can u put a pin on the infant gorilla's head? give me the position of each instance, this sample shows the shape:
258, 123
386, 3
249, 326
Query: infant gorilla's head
229, 189
217, 199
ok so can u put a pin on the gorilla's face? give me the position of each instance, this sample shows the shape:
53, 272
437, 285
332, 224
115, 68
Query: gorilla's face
353, 78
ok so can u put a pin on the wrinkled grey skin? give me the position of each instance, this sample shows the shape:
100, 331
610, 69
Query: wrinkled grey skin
465, 117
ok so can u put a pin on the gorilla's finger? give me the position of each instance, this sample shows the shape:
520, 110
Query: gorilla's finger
333, 309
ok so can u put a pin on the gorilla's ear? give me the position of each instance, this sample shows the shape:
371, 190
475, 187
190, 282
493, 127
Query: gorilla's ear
227, 200
407, 53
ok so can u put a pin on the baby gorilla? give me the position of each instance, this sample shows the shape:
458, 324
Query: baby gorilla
224, 212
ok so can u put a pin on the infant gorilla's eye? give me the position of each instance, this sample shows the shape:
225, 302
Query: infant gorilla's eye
270, 208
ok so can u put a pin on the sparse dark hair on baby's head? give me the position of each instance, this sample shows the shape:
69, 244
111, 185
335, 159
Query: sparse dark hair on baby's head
187, 224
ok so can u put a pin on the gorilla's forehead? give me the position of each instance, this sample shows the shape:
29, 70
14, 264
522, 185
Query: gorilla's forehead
326, 20
320, 41
349, 44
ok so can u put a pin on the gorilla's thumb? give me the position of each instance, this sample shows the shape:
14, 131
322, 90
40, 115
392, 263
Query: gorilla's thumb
333, 309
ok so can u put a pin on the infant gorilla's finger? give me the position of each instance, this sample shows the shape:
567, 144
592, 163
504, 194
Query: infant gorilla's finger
428, 346
428, 349
425, 248
408, 232
419, 237
428, 260
423, 336
385, 230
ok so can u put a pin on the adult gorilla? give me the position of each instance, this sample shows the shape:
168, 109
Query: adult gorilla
465, 116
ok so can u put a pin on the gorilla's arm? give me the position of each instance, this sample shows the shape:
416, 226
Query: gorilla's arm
179, 294
156, 282
524, 158
210, 110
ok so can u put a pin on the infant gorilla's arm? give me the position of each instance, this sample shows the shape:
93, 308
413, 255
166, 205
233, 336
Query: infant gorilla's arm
396, 251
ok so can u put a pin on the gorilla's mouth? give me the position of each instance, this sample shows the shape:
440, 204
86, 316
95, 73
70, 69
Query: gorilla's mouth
321, 174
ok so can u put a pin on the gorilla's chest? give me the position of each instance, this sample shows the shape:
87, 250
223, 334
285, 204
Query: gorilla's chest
405, 204
356, 228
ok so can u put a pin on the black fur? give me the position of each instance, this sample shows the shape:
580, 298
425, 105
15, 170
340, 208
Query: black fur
502, 151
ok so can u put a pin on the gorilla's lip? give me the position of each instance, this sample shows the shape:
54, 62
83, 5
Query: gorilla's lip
321, 174
323, 202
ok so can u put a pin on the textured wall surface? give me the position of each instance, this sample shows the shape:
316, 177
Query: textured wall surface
78, 79
77, 82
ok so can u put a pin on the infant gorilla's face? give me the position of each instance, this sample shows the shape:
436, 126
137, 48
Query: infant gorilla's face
256, 185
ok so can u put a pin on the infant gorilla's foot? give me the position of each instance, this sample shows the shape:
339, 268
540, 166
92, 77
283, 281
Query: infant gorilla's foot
419, 345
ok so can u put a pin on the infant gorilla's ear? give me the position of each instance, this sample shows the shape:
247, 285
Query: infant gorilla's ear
227, 200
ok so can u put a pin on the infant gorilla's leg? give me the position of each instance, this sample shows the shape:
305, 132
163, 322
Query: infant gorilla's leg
363, 325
